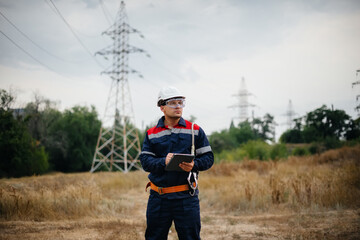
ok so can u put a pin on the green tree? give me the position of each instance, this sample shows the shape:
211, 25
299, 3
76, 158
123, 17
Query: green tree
77, 130
222, 140
6, 100
353, 131
21, 155
323, 125
264, 128
41, 114
242, 133
292, 136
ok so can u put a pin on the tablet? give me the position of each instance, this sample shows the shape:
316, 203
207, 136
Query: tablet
178, 158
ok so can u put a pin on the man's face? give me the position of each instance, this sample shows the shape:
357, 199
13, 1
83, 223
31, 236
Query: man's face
173, 108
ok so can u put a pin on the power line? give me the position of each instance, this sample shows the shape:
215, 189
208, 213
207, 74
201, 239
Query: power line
27, 53
51, 7
168, 56
28, 38
106, 12
164, 68
73, 32
76, 30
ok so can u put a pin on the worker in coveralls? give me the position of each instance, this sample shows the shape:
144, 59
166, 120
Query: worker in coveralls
174, 194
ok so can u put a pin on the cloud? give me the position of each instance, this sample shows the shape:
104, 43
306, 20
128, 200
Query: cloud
304, 51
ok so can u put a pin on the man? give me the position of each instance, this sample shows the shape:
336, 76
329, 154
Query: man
171, 198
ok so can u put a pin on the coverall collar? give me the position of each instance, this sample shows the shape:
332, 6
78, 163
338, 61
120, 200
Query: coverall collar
162, 124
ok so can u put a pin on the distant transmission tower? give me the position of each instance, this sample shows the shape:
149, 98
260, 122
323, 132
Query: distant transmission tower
118, 144
243, 104
357, 108
290, 114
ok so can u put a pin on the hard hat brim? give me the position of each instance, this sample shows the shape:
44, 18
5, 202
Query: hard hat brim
162, 102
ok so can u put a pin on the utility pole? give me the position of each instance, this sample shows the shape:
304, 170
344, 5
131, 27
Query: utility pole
357, 108
118, 143
242, 104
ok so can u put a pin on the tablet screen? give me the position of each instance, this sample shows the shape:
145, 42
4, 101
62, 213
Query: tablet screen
178, 158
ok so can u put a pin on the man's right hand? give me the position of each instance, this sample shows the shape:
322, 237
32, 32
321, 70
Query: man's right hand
168, 157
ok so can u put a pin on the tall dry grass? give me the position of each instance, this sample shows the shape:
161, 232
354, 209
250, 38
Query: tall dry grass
327, 181
69, 196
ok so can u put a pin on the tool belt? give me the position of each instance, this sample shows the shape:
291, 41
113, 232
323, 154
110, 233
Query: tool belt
164, 190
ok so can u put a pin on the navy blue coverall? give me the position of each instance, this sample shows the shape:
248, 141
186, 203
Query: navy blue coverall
180, 207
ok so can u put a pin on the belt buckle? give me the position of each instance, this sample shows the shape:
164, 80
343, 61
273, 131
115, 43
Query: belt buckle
160, 191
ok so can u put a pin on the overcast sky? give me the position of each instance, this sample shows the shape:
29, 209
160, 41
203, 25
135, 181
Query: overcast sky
304, 51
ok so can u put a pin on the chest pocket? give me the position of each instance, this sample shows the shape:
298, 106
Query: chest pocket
184, 143
161, 146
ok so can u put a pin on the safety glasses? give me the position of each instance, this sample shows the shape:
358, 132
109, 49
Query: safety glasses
175, 103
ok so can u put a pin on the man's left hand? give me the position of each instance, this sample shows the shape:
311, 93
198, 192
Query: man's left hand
187, 166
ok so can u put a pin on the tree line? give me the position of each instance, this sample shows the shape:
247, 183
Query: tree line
323, 125
39, 138
321, 129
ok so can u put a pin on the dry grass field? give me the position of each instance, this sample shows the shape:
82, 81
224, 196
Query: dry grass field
313, 197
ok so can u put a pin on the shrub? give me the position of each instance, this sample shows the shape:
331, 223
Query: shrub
234, 155
315, 148
300, 151
257, 150
332, 143
278, 151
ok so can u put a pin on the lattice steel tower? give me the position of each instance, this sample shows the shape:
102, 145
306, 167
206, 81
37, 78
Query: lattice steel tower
243, 104
290, 114
357, 108
118, 144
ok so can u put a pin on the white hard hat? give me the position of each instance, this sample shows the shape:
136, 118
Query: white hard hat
167, 93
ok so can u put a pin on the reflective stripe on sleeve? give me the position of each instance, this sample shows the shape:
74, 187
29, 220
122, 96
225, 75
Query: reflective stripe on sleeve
203, 150
150, 153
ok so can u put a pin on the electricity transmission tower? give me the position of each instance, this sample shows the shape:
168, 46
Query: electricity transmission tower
243, 104
357, 108
290, 114
118, 143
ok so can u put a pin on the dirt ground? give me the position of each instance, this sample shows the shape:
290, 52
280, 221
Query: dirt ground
130, 222
341, 224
